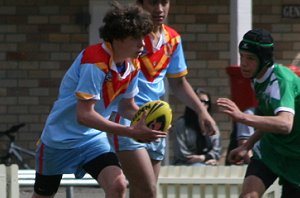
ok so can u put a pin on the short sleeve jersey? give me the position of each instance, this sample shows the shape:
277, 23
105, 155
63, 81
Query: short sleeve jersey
279, 90
165, 59
92, 76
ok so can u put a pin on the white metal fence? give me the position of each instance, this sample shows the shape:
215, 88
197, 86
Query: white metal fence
174, 182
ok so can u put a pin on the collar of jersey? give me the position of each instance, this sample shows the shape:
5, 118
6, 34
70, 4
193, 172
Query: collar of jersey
112, 65
266, 75
162, 39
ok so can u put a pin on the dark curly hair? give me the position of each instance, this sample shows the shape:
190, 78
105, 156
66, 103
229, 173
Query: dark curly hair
125, 21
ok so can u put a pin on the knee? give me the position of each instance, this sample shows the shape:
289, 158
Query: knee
119, 186
151, 190
147, 190
250, 195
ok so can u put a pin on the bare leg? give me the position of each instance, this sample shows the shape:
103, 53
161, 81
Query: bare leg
156, 168
113, 181
253, 187
138, 169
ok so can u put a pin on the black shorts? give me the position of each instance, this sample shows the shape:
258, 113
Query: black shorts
47, 185
259, 169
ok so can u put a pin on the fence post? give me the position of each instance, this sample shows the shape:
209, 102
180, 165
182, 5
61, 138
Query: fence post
69, 191
3, 180
13, 190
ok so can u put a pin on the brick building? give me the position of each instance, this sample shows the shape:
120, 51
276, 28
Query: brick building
40, 38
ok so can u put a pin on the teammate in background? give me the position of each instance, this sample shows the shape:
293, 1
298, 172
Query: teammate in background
101, 79
163, 57
276, 124
190, 146
239, 136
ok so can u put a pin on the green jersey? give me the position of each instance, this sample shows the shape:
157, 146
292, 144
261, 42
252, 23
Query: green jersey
279, 90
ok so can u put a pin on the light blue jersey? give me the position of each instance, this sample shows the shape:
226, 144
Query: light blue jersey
93, 75
157, 62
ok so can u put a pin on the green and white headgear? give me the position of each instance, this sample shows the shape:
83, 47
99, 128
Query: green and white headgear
260, 43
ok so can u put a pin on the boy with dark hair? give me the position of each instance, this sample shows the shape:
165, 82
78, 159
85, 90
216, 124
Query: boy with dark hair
276, 123
162, 58
102, 78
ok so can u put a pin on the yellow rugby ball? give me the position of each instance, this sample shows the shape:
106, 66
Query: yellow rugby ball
159, 115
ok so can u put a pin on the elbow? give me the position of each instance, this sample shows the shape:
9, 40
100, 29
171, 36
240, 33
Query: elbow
285, 122
81, 119
286, 128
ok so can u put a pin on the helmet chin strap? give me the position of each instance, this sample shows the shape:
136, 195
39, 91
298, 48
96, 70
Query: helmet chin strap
258, 70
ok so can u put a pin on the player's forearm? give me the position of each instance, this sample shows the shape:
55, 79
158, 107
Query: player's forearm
94, 120
281, 124
241, 142
248, 145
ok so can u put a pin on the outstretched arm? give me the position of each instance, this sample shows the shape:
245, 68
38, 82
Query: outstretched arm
185, 93
281, 123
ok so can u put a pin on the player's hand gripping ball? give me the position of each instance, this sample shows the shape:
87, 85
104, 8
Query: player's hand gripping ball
159, 115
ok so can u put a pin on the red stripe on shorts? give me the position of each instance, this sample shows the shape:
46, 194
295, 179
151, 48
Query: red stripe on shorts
41, 154
115, 137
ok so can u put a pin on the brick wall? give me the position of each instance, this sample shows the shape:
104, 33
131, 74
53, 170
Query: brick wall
205, 33
39, 40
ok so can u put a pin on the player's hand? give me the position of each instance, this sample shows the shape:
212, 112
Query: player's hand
207, 124
237, 155
228, 107
247, 157
142, 133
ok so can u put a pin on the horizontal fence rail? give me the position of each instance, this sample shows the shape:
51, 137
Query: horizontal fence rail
174, 182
